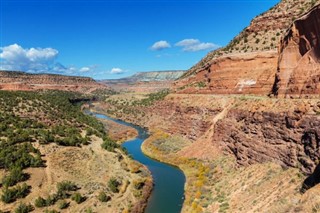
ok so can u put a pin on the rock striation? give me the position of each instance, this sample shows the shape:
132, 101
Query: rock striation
247, 73
298, 72
291, 139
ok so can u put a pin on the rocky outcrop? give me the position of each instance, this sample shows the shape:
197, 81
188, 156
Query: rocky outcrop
249, 73
263, 33
289, 138
299, 62
12, 80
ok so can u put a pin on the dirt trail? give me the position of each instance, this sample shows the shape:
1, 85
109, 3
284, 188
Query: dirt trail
200, 148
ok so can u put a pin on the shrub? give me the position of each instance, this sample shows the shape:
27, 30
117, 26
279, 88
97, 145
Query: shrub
10, 195
51, 200
77, 197
113, 185
63, 204
103, 197
16, 175
66, 186
24, 208
40, 202
109, 144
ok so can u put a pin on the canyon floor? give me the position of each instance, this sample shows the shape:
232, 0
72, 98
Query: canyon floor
240, 153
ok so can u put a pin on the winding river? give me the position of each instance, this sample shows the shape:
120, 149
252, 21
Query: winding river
168, 192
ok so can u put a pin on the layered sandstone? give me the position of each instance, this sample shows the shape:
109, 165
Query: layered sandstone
299, 61
263, 33
12, 80
245, 73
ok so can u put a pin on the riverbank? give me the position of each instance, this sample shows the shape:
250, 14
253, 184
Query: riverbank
166, 148
167, 196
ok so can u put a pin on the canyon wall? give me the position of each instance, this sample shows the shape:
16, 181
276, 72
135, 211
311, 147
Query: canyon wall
246, 73
298, 72
290, 139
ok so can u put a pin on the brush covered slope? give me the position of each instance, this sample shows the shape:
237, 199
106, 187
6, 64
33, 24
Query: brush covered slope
54, 157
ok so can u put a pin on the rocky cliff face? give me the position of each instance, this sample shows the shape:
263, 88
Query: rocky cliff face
249, 62
299, 61
289, 138
250, 73
12, 80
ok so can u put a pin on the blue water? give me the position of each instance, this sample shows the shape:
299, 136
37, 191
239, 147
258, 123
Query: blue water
168, 192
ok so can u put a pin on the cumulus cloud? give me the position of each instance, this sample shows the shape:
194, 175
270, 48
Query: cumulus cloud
85, 69
116, 71
193, 45
36, 60
15, 57
187, 42
160, 45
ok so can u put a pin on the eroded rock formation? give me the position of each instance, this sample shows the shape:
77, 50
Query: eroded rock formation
289, 138
299, 61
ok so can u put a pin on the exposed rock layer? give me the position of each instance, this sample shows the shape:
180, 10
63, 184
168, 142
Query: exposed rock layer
289, 138
299, 61
249, 73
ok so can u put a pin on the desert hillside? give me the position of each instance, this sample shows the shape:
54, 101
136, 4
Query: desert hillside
56, 158
14, 80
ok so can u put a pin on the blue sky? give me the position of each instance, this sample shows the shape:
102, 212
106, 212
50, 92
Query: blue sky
112, 39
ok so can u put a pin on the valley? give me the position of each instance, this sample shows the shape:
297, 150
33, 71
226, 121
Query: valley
242, 125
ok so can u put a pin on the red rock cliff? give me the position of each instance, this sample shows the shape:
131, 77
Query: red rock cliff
299, 61
246, 73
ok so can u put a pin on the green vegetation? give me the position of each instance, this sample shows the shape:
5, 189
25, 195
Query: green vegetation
10, 195
46, 117
24, 208
201, 84
78, 198
152, 97
109, 144
113, 185
103, 197
63, 204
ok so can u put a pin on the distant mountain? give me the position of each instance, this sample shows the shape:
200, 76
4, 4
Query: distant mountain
149, 77
17, 80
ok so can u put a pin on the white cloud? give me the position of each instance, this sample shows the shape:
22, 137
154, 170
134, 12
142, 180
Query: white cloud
35, 60
193, 45
116, 71
187, 42
85, 69
160, 45
15, 57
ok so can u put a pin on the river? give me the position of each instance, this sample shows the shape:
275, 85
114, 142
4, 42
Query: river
168, 192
